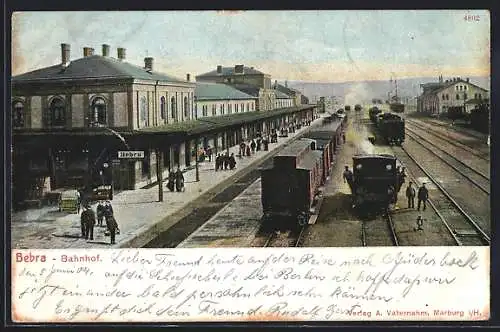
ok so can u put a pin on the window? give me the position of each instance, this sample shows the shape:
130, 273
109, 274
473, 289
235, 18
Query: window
99, 116
252, 106
173, 108
460, 88
447, 97
57, 112
235, 108
205, 110
456, 87
214, 110
465, 87
248, 107
242, 107
163, 113
222, 109
479, 96
475, 96
443, 96
18, 114
458, 97
229, 109
144, 111
186, 107
465, 96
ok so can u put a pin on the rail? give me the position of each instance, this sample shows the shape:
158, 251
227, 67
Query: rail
469, 219
392, 228
481, 187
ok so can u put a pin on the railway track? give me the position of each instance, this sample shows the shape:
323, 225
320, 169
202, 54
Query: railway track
379, 232
461, 225
290, 238
476, 177
484, 155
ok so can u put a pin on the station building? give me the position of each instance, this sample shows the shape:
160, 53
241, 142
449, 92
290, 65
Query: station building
439, 97
70, 121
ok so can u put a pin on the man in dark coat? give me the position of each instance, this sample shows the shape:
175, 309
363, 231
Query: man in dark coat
225, 161
265, 141
423, 196
259, 143
100, 213
112, 226
209, 153
248, 150
232, 161
179, 180
253, 146
171, 181
88, 222
218, 162
348, 177
410, 194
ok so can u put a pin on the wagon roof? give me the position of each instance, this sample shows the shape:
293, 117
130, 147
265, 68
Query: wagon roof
309, 160
374, 156
294, 148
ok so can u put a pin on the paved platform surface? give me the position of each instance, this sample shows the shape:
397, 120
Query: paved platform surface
138, 212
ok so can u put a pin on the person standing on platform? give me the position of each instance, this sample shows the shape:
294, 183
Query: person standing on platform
232, 162
88, 222
410, 194
100, 213
348, 177
248, 150
217, 162
209, 153
179, 180
423, 196
253, 146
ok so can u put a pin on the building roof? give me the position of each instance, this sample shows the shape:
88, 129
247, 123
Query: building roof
249, 89
281, 95
227, 71
94, 66
286, 90
216, 91
435, 87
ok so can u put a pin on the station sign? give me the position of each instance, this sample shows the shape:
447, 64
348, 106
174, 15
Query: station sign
130, 154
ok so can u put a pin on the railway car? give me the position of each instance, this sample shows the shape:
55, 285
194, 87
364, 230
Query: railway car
374, 180
347, 108
357, 107
391, 128
397, 107
328, 140
290, 185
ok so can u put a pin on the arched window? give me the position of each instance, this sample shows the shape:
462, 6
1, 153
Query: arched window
447, 97
163, 112
57, 112
144, 111
443, 96
18, 114
99, 116
186, 107
173, 108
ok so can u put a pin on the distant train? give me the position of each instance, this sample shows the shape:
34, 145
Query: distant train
391, 127
357, 107
375, 180
291, 186
397, 107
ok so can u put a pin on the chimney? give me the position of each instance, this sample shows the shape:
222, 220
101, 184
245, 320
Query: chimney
87, 51
121, 53
219, 69
286, 84
188, 77
467, 80
65, 53
105, 50
148, 64
238, 69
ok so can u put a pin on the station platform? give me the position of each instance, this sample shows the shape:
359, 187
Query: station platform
139, 214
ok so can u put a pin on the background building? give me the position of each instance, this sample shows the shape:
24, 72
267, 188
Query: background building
246, 79
456, 93
295, 94
213, 99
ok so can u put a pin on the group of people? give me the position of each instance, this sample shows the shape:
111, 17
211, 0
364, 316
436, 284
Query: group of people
104, 211
225, 161
422, 195
175, 180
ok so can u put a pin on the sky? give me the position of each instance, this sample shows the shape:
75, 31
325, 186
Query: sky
316, 46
